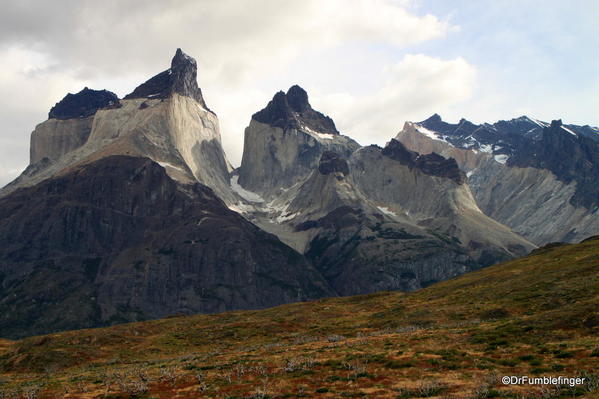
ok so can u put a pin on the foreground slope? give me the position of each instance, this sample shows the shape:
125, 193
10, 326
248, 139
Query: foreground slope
531, 316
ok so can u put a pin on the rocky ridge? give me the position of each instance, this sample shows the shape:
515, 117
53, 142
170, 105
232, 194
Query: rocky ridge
522, 170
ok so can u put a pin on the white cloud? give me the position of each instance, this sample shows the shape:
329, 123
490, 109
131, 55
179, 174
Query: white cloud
415, 86
26, 94
243, 48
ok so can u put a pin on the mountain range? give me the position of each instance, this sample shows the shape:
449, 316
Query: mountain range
129, 209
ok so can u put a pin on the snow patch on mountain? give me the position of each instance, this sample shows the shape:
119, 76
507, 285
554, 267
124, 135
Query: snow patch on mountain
312, 132
286, 217
243, 193
170, 165
569, 131
429, 133
501, 158
386, 211
538, 122
486, 148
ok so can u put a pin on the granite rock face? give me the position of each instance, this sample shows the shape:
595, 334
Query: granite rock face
284, 143
54, 138
118, 240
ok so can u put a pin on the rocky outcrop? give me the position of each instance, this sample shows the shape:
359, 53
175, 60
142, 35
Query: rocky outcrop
69, 124
118, 240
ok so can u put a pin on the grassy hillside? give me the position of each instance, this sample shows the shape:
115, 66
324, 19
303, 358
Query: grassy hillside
535, 316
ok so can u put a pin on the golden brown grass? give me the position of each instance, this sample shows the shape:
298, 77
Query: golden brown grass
532, 316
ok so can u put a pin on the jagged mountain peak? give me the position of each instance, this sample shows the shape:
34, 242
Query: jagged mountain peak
292, 110
433, 118
182, 60
180, 78
551, 157
465, 122
523, 118
297, 98
82, 104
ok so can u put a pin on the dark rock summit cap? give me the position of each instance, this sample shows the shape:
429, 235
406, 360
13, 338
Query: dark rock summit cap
431, 164
180, 78
293, 111
83, 104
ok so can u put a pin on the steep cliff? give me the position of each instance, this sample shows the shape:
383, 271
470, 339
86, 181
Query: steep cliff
69, 124
284, 141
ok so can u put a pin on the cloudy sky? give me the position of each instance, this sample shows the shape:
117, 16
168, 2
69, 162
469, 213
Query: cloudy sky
369, 64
